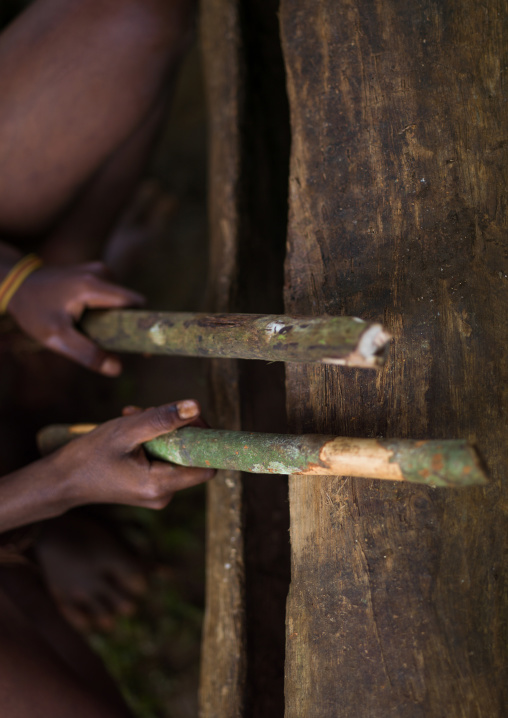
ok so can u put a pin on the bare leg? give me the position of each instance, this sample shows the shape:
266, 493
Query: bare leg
83, 86
83, 228
46, 669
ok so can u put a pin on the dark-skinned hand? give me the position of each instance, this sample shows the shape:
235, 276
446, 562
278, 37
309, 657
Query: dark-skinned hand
108, 465
51, 301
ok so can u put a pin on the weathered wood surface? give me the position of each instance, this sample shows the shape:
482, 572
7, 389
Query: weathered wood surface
249, 158
346, 341
223, 656
398, 213
445, 463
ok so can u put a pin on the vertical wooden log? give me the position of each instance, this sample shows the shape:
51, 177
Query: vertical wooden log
248, 546
398, 213
223, 662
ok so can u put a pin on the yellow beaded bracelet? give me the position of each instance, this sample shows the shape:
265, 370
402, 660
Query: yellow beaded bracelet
16, 277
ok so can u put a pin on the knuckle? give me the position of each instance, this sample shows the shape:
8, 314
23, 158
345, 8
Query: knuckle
57, 323
87, 279
116, 433
152, 492
87, 275
157, 492
93, 358
162, 419
158, 504
54, 338
204, 475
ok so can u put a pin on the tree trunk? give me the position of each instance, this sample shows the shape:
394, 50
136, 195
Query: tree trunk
398, 214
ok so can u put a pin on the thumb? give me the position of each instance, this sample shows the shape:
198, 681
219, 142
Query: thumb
153, 422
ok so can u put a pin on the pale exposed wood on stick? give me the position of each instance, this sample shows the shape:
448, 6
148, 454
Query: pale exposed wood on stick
436, 463
329, 340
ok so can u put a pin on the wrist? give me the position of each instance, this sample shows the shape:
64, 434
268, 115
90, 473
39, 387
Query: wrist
16, 278
55, 485
34, 493
23, 299
9, 256
71, 467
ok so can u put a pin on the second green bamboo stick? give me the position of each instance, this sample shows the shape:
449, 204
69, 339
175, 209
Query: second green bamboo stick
435, 463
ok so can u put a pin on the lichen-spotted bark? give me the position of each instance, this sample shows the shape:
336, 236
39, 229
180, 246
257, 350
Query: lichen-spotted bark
346, 341
435, 463
398, 213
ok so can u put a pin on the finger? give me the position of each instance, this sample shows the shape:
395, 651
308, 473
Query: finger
75, 616
104, 295
105, 618
88, 613
100, 269
153, 422
73, 345
98, 613
175, 478
117, 603
97, 268
131, 410
133, 583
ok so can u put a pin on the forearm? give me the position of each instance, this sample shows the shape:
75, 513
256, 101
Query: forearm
36, 492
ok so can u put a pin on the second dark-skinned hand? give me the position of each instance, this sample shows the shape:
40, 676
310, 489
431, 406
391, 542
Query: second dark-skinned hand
109, 465
52, 299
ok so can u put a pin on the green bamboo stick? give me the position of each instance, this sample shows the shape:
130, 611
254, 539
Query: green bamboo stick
435, 463
330, 340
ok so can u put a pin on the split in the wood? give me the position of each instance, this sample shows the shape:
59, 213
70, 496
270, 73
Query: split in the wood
435, 463
346, 341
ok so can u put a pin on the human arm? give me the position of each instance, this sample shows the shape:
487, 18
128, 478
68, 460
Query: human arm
108, 465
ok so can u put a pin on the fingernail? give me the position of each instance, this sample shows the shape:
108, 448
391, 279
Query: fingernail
111, 367
187, 409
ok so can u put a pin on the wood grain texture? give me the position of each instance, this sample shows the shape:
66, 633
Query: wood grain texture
398, 213
223, 658
248, 550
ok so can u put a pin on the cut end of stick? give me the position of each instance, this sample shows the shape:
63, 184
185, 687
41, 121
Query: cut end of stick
371, 351
78, 429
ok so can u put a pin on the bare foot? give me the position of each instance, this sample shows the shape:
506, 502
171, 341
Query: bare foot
92, 576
